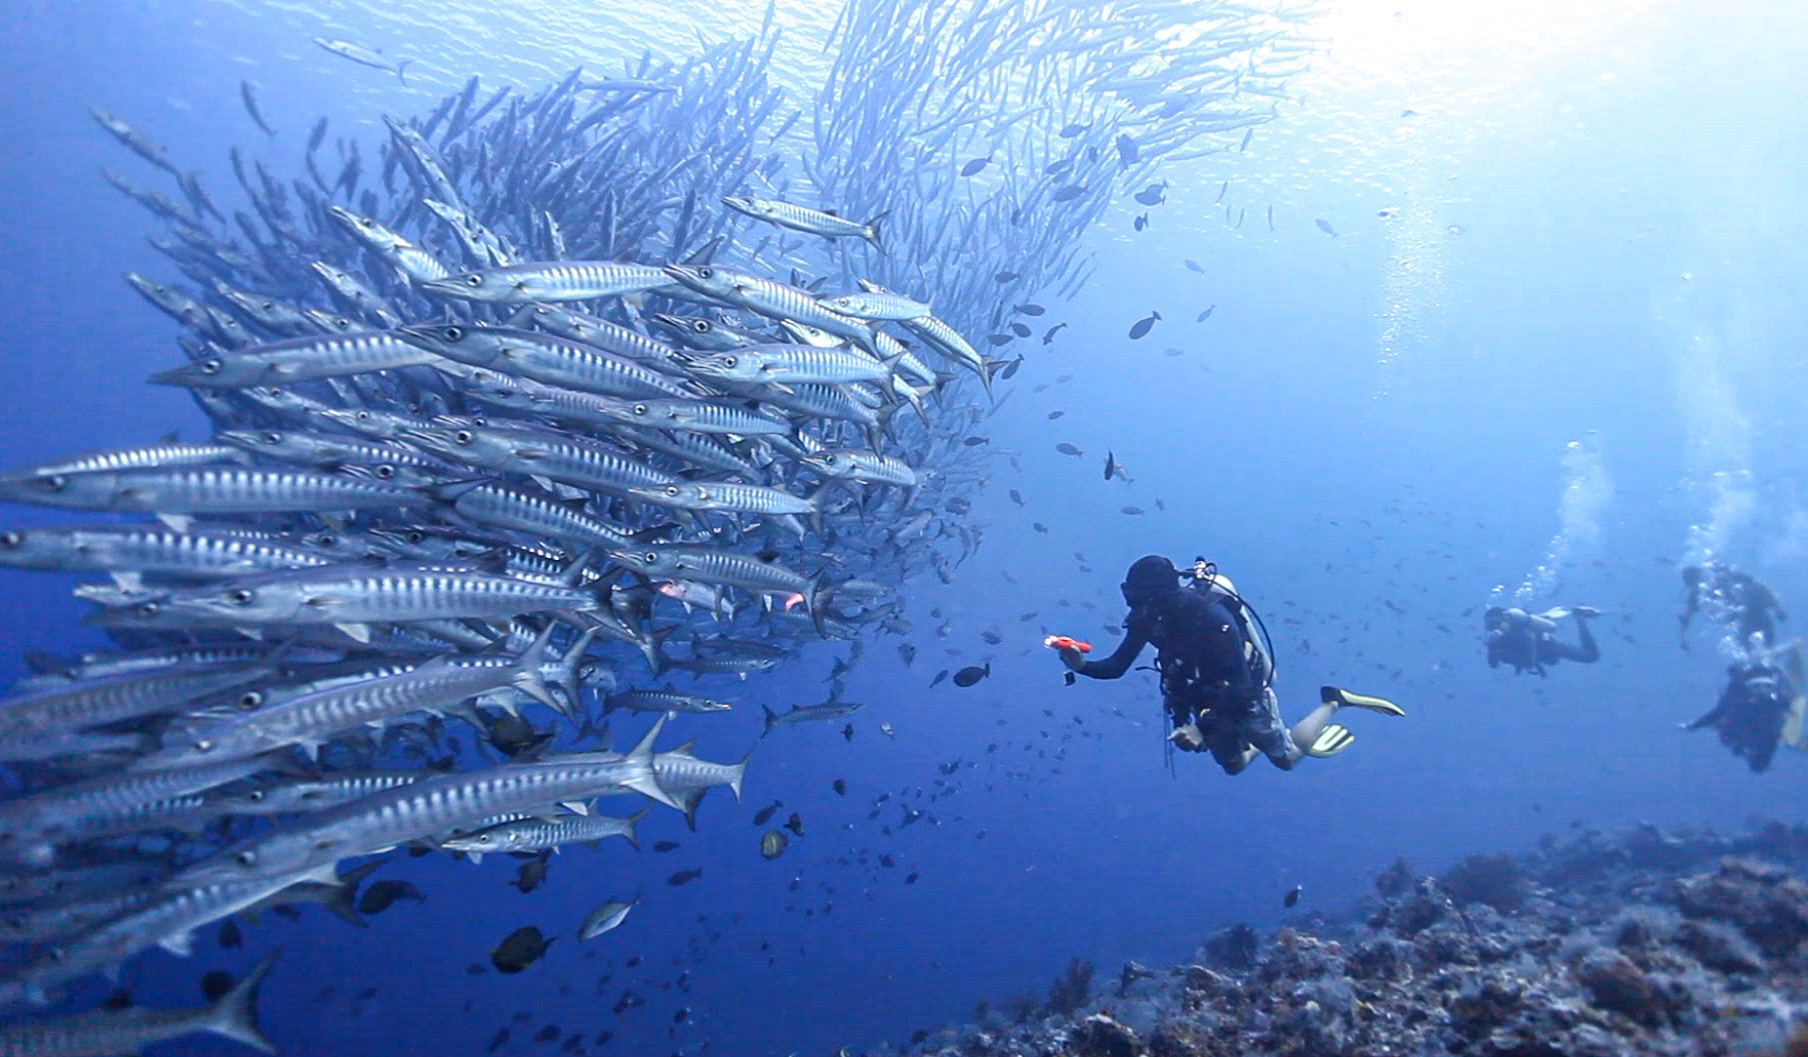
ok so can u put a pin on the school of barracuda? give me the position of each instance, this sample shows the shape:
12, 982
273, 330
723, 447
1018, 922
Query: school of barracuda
546, 399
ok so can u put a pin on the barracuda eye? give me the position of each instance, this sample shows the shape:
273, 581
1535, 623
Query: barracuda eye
246, 858
463, 436
415, 536
651, 557
256, 796
211, 366
671, 489
56, 482
453, 333
831, 460
271, 437
203, 745
701, 326
327, 539
728, 361
149, 609
12, 539
248, 699
640, 409
475, 279
240, 597
384, 472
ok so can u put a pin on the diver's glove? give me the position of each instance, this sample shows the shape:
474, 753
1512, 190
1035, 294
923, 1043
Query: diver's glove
1188, 738
1074, 659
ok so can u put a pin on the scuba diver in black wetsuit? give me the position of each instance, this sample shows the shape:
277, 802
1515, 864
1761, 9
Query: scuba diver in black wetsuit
1529, 640
1761, 707
1216, 673
1732, 598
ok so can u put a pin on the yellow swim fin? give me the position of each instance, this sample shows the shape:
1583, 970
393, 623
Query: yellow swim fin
1382, 705
1330, 741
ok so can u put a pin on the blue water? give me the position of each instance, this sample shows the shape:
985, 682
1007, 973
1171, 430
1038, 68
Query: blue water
1595, 242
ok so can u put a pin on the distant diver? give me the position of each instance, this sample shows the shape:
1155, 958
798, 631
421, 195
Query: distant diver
1528, 641
1736, 600
1217, 672
1761, 707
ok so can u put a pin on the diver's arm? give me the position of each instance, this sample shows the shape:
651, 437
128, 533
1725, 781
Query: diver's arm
1119, 662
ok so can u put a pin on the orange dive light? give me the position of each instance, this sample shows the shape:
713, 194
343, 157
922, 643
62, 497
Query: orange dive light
1063, 642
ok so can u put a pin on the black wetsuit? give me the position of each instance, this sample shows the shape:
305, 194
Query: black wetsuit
1526, 647
1736, 598
1750, 714
1199, 652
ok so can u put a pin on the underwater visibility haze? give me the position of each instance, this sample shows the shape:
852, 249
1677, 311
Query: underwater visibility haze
603, 528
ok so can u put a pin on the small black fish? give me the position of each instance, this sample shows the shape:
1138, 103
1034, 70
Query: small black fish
230, 936
1049, 336
1068, 449
974, 442
1068, 193
795, 824
1142, 325
1020, 330
665, 846
1056, 168
1001, 339
1292, 898
532, 873
1141, 221
547, 1033
1133, 511
681, 1016
1126, 149
840, 787
522, 948
1031, 309
907, 651
910, 878
971, 674
760, 817
992, 638
1015, 496
1153, 195
1247, 136
1221, 189
1005, 277
1039, 527
1205, 315
1193, 266
1110, 464
939, 676
1070, 131
847, 732
1325, 226
498, 1040
683, 877
975, 166
381, 895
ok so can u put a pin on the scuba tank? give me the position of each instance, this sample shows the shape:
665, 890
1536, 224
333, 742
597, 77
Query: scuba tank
1258, 650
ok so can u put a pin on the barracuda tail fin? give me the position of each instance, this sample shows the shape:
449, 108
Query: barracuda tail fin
235, 1014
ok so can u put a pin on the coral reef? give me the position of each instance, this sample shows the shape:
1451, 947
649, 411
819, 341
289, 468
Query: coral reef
1687, 944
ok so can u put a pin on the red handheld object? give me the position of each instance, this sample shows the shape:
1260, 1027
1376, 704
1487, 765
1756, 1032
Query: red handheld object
1063, 642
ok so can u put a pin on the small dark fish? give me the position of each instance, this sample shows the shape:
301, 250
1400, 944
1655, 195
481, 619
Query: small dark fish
1031, 309
499, 1040
971, 674
1205, 315
760, 817
1325, 226
681, 1016
523, 948
975, 166
317, 135
1068, 193
1056, 168
1017, 497
1240, 214
665, 846
1221, 189
1001, 339
1068, 449
1193, 266
847, 732
249, 95
230, 937
1142, 325
974, 442
795, 824
547, 1033
908, 652
1141, 221
1006, 277
1020, 330
1070, 131
1247, 136
381, 895
1039, 527
840, 787
911, 877
1010, 369
992, 638
1126, 149
1049, 337
939, 677
1110, 464
532, 873
1153, 195
1292, 898
683, 877
1133, 511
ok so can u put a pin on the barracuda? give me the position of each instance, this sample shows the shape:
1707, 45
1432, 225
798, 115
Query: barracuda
550, 281
300, 360
544, 358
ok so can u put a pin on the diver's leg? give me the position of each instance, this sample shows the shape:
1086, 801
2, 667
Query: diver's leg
1233, 755
1585, 651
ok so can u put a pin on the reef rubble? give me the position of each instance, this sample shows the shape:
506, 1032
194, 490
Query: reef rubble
1642, 942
